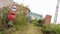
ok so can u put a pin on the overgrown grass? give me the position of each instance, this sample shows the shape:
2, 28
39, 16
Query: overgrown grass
21, 21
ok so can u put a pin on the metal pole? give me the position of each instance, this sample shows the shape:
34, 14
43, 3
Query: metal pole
10, 24
56, 12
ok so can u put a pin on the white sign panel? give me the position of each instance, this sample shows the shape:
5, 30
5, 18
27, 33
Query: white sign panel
14, 8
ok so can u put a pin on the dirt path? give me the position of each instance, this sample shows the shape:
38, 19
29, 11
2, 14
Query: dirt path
31, 29
34, 30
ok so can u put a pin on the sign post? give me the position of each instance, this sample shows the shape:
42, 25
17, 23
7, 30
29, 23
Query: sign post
11, 15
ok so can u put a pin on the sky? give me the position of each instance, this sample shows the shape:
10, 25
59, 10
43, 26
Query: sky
43, 7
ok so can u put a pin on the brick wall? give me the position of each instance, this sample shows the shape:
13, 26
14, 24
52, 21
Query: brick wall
47, 19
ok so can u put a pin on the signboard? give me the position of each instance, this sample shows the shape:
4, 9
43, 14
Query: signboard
14, 7
11, 16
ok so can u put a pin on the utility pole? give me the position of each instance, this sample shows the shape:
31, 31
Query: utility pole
56, 12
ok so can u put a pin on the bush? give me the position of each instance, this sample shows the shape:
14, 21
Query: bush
41, 22
52, 28
56, 29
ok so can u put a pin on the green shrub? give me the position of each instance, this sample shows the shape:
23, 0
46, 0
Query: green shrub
53, 28
56, 29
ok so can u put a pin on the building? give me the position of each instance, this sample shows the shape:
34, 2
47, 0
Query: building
47, 19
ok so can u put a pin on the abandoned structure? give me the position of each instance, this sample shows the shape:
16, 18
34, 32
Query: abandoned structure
47, 19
